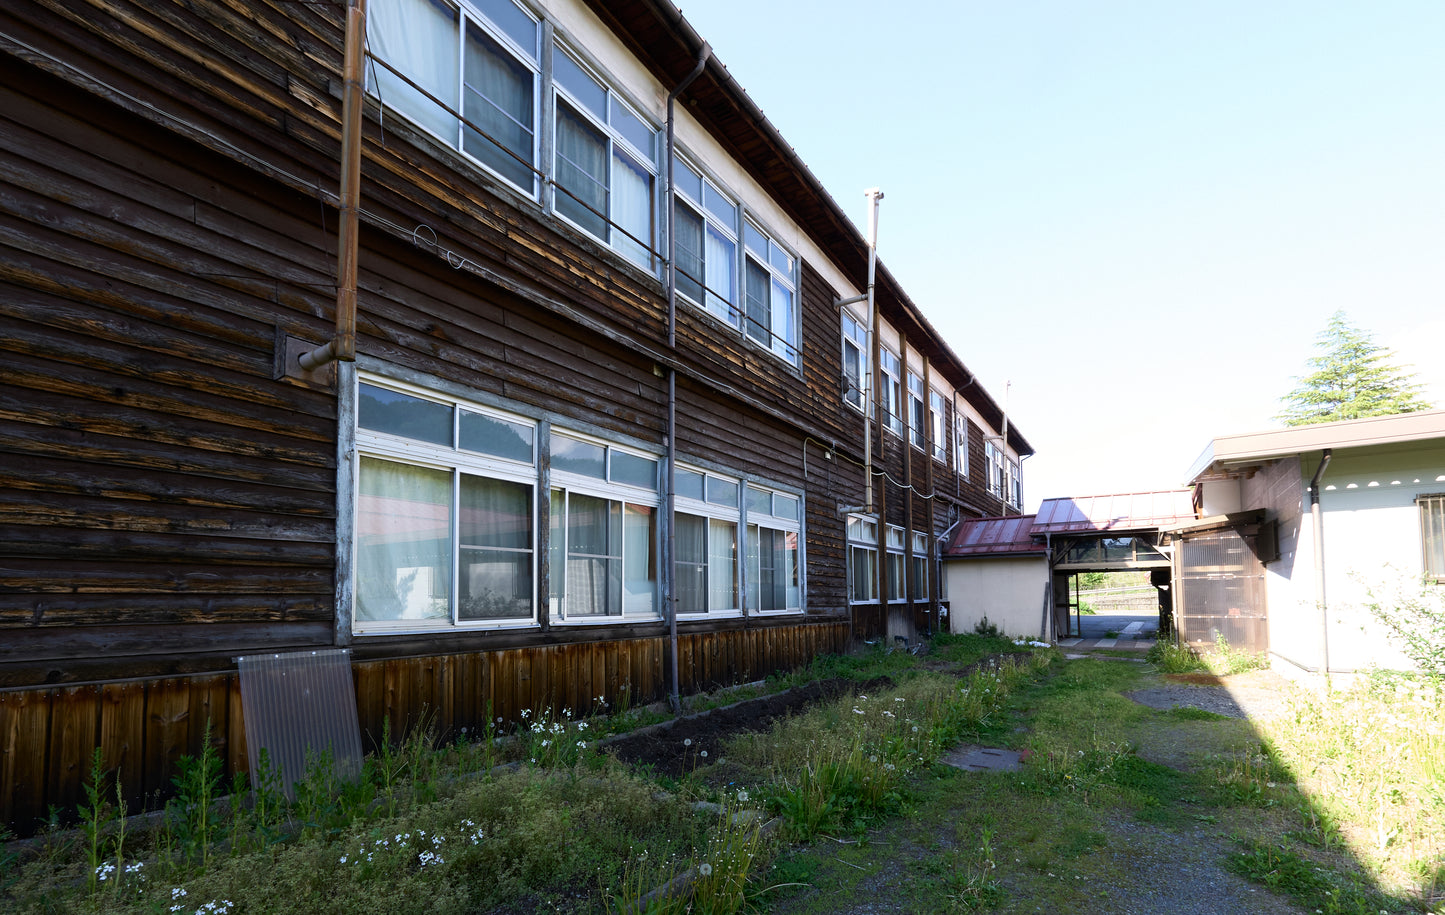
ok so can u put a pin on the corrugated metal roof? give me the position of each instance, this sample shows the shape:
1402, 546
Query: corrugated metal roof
1134, 511
994, 536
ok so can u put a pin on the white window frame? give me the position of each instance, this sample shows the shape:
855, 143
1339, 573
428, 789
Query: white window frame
895, 575
387, 446
855, 338
716, 511
618, 143
1015, 483
917, 412
862, 539
937, 429
1432, 536
626, 494
720, 307
918, 567
758, 521
784, 345
960, 443
529, 58
890, 394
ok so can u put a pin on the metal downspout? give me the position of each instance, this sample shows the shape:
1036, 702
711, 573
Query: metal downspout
670, 542
1319, 530
342, 346
874, 195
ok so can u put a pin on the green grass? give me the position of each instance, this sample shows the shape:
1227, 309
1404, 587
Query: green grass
1313, 885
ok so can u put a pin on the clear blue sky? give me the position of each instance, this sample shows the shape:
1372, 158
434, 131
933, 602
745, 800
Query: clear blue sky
1141, 214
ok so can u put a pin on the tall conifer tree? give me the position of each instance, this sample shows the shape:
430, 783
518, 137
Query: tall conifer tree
1353, 377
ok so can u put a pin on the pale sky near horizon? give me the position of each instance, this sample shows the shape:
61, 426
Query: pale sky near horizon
1142, 214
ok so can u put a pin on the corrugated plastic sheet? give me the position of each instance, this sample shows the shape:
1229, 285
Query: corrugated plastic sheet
300, 706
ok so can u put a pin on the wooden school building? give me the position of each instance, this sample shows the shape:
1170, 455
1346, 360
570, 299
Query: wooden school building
409, 328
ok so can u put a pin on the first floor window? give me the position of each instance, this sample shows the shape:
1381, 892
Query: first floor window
1432, 535
774, 575
862, 559
707, 565
603, 557
918, 568
444, 513
895, 562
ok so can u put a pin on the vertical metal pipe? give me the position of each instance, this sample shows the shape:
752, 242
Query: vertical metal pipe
874, 195
342, 346
669, 571
1319, 531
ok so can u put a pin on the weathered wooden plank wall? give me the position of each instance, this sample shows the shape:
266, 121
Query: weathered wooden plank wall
142, 727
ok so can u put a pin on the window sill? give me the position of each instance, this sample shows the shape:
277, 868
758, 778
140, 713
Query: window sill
373, 630
606, 621
713, 615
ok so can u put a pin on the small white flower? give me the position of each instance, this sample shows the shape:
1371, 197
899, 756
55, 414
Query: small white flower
742, 796
687, 741
703, 754
704, 869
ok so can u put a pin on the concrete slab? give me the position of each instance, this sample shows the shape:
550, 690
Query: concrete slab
1106, 643
984, 759
1132, 628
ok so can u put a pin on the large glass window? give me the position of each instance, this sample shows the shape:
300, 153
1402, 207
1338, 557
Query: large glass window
862, 559
604, 161
774, 574
937, 430
917, 428
1015, 484
604, 532
855, 362
445, 516
960, 444
1432, 535
994, 463
895, 560
768, 287
890, 393
706, 542
918, 567
707, 243
478, 60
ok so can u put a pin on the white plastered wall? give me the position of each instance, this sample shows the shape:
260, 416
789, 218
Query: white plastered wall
1008, 590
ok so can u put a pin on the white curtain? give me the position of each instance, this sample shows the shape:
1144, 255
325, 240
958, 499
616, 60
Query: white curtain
403, 542
581, 171
783, 342
722, 265
495, 526
499, 101
639, 535
722, 565
690, 542
631, 207
419, 38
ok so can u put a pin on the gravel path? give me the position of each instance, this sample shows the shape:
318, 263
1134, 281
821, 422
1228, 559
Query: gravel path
1257, 694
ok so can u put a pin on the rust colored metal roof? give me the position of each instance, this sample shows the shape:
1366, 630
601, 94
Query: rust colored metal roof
1134, 511
995, 537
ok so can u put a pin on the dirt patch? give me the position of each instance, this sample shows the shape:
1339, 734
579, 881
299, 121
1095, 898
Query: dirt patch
1196, 679
677, 747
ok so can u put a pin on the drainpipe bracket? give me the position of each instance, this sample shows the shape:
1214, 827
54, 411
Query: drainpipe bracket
289, 351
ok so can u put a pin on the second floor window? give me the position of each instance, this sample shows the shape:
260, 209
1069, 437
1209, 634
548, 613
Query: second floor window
480, 62
890, 392
768, 287
855, 361
603, 161
960, 444
707, 245
917, 431
937, 431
